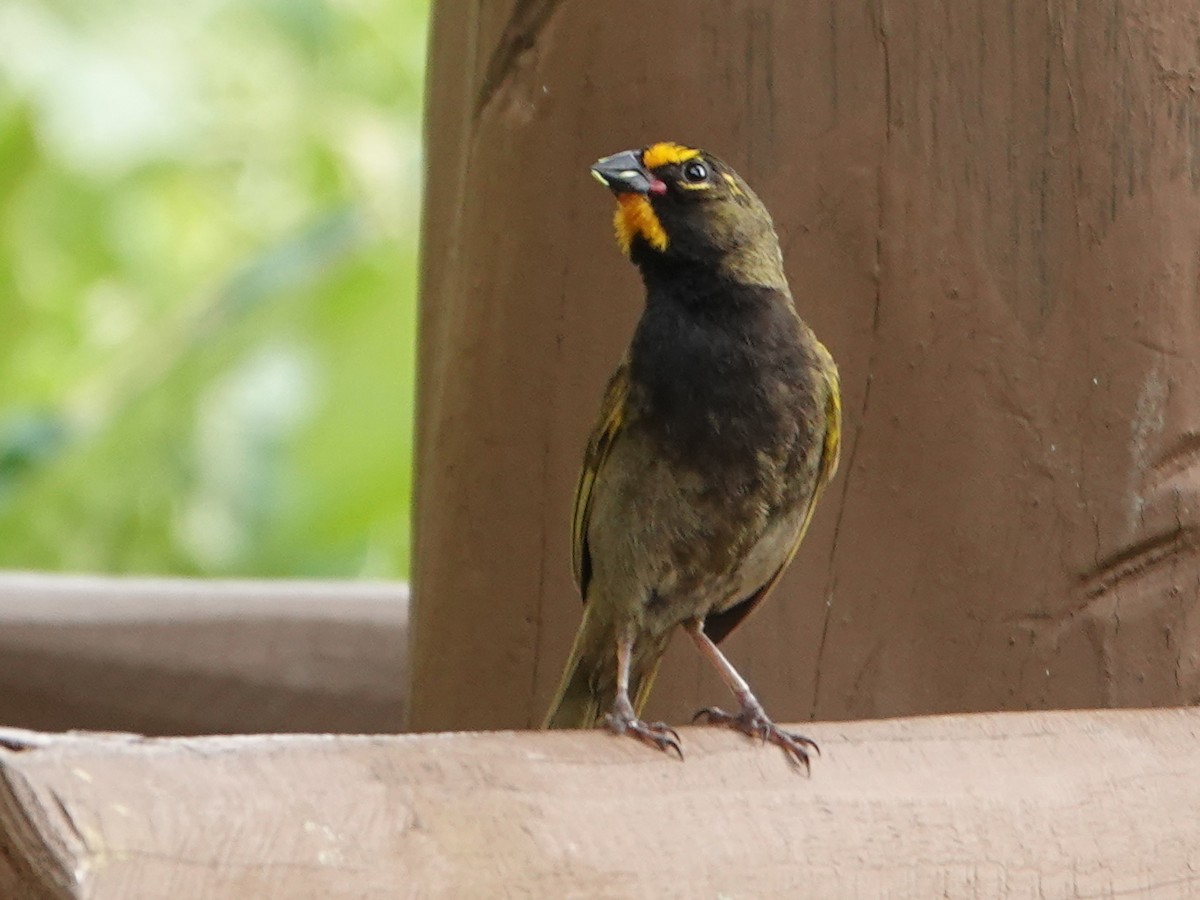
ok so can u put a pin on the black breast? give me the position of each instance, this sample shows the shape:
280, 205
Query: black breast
723, 379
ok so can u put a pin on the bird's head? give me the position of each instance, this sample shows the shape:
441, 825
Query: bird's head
677, 206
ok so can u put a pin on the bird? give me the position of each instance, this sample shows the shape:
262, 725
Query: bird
717, 433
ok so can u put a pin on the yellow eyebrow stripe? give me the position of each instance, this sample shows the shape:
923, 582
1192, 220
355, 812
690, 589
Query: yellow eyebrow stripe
666, 153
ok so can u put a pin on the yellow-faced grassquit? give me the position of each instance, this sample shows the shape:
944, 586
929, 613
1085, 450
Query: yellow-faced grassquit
717, 434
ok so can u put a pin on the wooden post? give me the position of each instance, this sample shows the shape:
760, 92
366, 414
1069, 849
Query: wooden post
989, 212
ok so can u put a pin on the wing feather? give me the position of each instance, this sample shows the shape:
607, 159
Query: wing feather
612, 416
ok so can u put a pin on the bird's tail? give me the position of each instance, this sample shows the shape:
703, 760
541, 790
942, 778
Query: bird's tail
589, 681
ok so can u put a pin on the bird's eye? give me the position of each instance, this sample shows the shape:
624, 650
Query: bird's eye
695, 172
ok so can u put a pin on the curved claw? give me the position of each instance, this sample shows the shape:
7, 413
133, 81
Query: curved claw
754, 723
663, 736
665, 729
657, 734
708, 713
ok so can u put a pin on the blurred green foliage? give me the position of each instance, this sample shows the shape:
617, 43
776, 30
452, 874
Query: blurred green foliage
208, 218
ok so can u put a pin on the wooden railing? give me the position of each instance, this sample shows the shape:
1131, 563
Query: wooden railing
1048, 805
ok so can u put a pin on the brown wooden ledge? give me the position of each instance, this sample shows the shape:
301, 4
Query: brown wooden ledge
1058, 804
179, 656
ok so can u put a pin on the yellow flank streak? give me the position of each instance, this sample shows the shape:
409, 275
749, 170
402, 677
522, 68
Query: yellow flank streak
832, 449
666, 153
635, 216
612, 414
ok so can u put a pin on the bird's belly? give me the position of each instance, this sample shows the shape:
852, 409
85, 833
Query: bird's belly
709, 584
670, 544
762, 560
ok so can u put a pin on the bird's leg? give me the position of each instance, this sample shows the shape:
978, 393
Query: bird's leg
623, 719
751, 720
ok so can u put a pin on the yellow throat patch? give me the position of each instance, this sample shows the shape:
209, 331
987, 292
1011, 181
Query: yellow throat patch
635, 216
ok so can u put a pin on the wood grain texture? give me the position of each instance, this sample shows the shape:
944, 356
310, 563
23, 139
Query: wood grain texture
989, 211
1047, 805
178, 656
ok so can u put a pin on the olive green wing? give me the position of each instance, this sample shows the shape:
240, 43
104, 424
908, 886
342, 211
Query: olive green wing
612, 416
718, 625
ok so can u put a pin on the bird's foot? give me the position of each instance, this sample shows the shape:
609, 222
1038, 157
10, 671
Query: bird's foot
656, 734
753, 721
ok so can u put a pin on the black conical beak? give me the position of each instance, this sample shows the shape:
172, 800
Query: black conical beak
623, 173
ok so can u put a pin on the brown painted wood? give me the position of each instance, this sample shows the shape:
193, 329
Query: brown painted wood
989, 212
1045, 805
173, 656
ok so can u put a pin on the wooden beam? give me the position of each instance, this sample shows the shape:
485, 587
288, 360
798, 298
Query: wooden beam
179, 656
1047, 804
